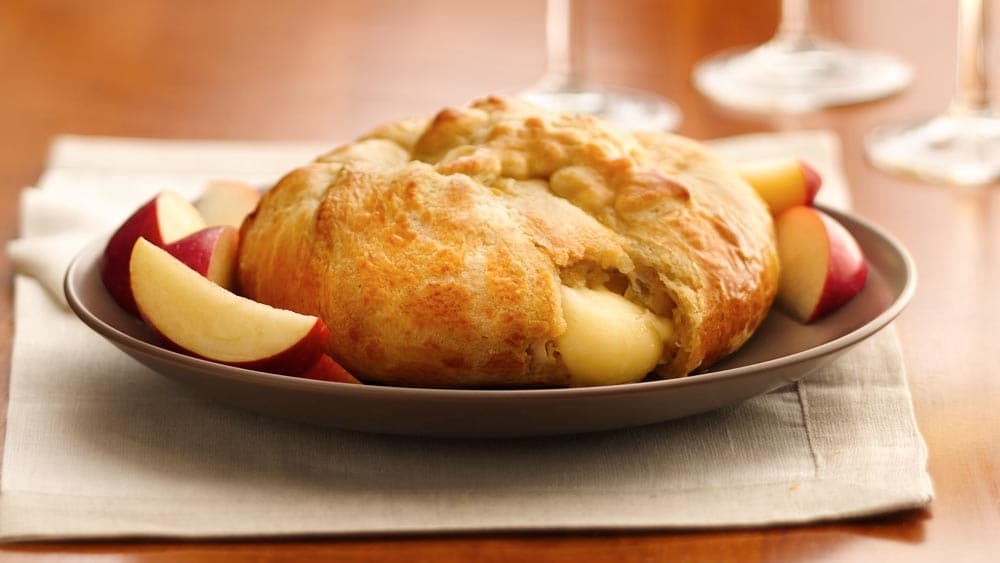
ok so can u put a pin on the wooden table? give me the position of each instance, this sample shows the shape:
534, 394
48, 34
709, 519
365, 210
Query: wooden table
328, 70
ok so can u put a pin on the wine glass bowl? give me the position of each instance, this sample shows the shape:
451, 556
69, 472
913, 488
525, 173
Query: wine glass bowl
562, 88
631, 109
962, 145
797, 71
956, 149
781, 77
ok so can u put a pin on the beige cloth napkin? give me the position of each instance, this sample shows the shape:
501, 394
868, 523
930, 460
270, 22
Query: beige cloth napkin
99, 446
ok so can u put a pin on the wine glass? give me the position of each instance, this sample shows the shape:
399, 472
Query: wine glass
562, 87
797, 71
962, 145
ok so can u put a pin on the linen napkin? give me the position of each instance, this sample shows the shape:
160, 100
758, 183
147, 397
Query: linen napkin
99, 446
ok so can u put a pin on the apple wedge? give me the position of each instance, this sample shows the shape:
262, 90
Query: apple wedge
211, 252
204, 319
327, 369
163, 219
822, 266
782, 182
227, 202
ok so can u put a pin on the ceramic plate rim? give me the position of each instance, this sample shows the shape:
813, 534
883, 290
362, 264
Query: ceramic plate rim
137, 345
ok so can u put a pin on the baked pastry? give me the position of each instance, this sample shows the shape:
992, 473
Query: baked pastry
502, 245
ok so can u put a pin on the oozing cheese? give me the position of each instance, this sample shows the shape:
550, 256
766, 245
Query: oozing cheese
609, 339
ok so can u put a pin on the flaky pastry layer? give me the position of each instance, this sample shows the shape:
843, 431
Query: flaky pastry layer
435, 249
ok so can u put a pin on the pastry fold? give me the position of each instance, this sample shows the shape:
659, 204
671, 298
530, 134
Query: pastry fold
436, 249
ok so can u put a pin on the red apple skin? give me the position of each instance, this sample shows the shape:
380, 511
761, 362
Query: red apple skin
227, 202
846, 269
782, 182
145, 223
297, 359
211, 252
327, 369
159, 277
293, 361
813, 181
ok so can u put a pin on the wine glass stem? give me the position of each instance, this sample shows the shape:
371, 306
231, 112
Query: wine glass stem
794, 29
563, 32
972, 96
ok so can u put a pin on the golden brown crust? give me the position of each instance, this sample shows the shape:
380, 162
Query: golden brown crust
434, 250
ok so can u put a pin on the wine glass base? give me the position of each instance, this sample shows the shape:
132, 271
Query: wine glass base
630, 109
952, 149
776, 77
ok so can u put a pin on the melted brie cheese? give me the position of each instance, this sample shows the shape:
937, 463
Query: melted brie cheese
609, 339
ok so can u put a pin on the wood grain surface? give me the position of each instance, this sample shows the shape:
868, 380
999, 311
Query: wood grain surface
324, 70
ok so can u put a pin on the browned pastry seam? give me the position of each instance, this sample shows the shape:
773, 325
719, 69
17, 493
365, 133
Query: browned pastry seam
435, 249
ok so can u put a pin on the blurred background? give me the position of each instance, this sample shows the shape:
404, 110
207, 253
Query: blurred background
327, 71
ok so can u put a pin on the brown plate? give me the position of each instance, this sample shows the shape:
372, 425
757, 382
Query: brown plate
781, 352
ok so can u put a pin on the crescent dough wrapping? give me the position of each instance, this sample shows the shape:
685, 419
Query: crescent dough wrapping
439, 251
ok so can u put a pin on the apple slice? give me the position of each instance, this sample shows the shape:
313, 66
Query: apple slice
327, 369
782, 182
227, 202
211, 252
822, 266
206, 320
163, 219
